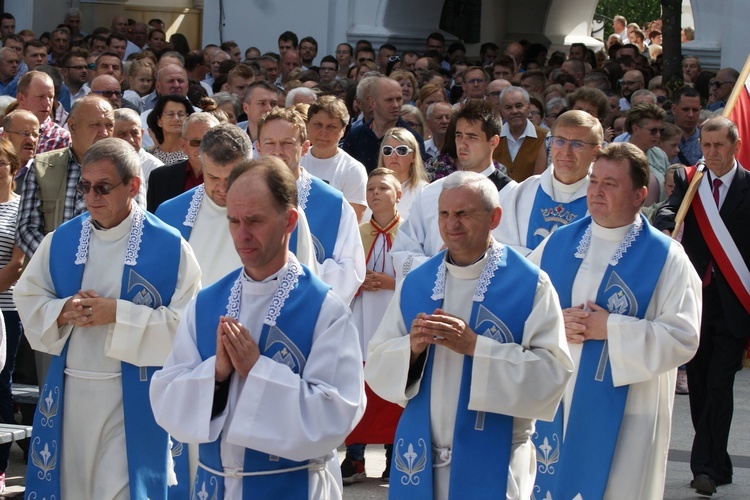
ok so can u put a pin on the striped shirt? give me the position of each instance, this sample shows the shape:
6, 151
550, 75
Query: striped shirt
8, 216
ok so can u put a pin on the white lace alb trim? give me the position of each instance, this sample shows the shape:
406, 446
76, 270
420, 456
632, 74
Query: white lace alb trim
287, 283
494, 256
305, 182
134, 239
622, 248
195, 205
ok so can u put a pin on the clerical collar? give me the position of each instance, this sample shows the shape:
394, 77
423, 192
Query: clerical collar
273, 277
449, 259
559, 187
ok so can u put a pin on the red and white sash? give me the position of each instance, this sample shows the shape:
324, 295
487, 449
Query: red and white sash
723, 249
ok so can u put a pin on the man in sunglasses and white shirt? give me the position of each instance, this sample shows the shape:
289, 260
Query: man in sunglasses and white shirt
557, 196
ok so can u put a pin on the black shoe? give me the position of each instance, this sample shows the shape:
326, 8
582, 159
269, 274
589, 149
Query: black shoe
703, 485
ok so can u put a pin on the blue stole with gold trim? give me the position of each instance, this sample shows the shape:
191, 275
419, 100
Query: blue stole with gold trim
288, 342
598, 406
499, 314
548, 214
151, 281
177, 211
322, 205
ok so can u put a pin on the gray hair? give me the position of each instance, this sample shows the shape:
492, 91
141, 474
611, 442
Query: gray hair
299, 91
479, 183
175, 54
221, 98
127, 115
201, 117
511, 89
225, 144
431, 108
555, 103
364, 87
644, 92
72, 12
4, 51
120, 153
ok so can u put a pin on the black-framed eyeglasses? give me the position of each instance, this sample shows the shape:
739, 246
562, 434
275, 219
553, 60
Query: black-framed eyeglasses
661, 99
107, 93
103, 189
78, 68
578, 146
365, 59
399, 150
194, 143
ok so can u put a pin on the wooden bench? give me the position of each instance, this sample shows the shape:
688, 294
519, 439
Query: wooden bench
25, 394
11, 432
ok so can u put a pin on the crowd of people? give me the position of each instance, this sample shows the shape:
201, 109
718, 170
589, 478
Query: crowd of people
225, 237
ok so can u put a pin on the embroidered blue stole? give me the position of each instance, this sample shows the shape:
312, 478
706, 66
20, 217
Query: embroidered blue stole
499, 311
548, 214
322, 205
597, 409
287, 341
180, 212
149, 279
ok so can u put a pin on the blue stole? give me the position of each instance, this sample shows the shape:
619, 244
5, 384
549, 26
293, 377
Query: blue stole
548, 214
149, 279
180, 212
323, 217
597, 409
287, 340
502, 302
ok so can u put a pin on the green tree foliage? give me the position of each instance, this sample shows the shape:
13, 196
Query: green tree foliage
635, 11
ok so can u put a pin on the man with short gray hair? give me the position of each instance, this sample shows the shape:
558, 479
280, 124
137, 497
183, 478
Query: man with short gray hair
200, 214
167, 182
8, 66
128, 128
474, 314
520, 140
438, 118
103, 295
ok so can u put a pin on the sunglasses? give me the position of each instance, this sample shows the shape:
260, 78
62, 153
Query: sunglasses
107, 93
400, 150
84, 187
653, 131
194, 143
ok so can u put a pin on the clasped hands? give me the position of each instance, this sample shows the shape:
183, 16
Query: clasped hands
86, 308
583, 325
441, 328
235, 349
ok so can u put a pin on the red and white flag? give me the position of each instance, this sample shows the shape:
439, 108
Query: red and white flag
738, 110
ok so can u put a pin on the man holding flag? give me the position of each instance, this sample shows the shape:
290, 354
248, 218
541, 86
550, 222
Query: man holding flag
715, 237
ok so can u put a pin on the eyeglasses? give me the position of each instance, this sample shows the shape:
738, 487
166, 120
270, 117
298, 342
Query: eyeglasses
79, 68
343, 51
534, 112
661, 99
475, 81
171, 115
194, 143
400, 150
413, 125
717, 83
394, 59
578, 146
107, 93
33, 135
92, 66
103, 189
363, 59
653, 131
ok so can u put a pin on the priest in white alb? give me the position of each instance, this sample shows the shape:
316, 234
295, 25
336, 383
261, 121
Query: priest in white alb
266, 371
103, 294
333, 225
200, 214
632, 306
557, 196
473, 345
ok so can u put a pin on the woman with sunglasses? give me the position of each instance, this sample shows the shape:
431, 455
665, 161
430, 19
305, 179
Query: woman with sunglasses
399, 151
11, 260
165, 125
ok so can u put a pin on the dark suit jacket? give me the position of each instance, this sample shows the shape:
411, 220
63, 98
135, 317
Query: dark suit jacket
735, 212
165, 183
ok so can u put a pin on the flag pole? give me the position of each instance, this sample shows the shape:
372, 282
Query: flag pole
738, 87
